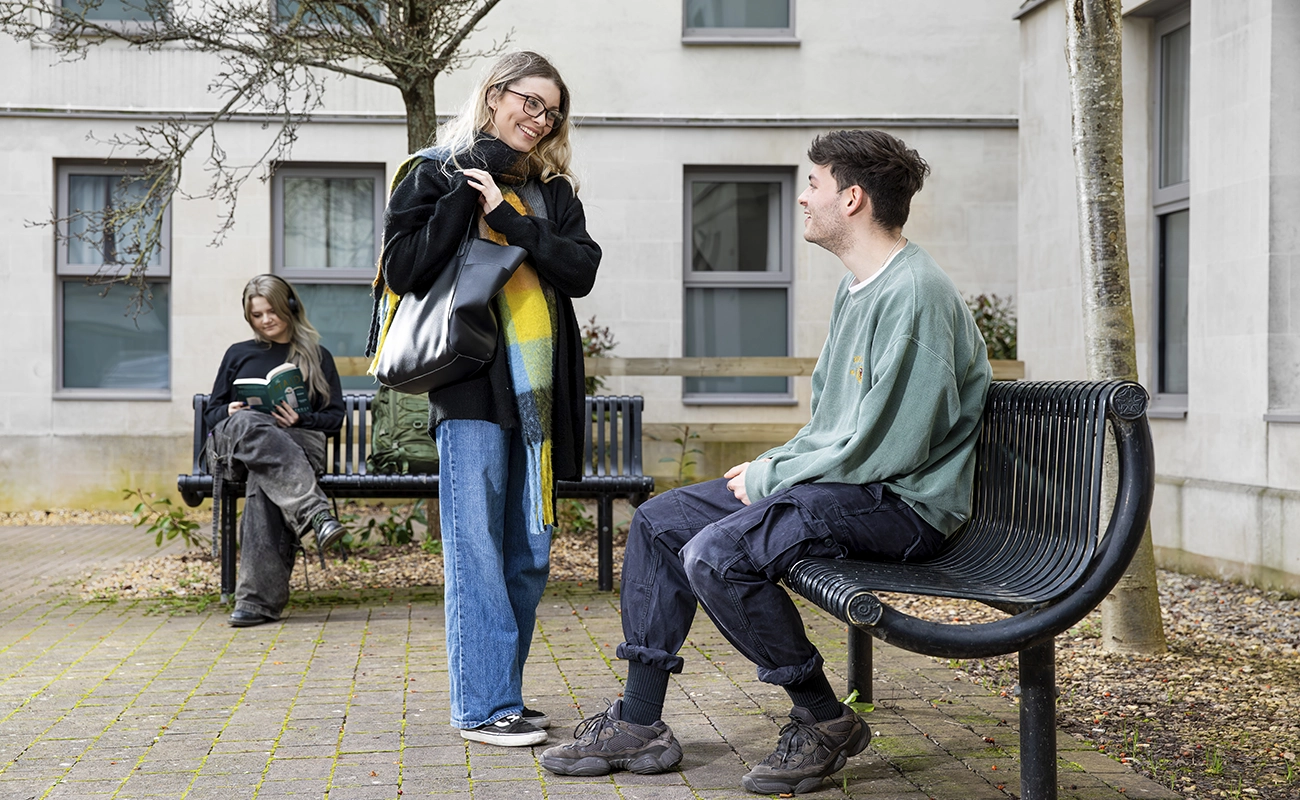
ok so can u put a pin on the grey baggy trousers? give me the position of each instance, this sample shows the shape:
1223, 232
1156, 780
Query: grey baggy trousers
280, 499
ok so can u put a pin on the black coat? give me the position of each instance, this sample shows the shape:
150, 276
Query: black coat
426, 217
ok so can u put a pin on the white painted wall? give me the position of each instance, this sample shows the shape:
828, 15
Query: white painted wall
1227, 492
926, 68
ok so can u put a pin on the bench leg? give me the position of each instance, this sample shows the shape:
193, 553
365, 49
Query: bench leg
228, 550
1038, 721
859, 666
605, 542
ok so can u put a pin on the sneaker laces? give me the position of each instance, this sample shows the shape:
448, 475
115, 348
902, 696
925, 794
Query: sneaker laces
588, 731
796, 735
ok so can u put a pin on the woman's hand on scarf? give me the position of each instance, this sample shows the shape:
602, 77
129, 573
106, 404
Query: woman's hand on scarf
285, 415
489, 194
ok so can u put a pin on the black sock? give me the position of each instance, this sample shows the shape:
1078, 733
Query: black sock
643, 696
815, 694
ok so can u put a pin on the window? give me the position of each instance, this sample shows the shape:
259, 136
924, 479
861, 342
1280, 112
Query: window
1171, 197
326, 224
738, 21
108, 345
118, 10
737, 277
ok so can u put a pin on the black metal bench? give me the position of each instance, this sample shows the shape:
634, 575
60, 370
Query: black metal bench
1031, 548
611, 469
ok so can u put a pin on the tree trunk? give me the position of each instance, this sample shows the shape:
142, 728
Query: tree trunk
1131, 612
421, 116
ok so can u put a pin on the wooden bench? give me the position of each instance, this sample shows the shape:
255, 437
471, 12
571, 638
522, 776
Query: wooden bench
611, 469
1032, 548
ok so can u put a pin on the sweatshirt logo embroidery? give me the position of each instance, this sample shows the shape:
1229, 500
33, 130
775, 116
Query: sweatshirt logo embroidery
856, 369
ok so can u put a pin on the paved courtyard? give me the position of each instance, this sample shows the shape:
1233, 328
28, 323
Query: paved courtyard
346, 699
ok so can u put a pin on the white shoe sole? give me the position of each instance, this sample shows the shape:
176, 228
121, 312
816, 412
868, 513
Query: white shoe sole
504, 739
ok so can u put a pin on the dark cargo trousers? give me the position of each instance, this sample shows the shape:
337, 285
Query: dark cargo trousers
699, 544
281, 496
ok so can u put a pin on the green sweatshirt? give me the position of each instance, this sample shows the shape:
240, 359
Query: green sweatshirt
897, 395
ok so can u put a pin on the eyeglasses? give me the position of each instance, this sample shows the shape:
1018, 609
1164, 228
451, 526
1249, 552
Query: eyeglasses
533, 107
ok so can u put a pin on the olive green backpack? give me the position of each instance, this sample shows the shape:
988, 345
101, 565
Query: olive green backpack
401, 444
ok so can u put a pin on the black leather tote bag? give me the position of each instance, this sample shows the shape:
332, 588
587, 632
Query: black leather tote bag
448, 333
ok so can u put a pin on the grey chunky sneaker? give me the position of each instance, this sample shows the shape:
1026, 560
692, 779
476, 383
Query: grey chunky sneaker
509, 731
605, 742
808, 751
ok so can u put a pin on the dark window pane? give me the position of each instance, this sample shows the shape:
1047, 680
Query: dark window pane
736, 322
737, 13
329, 222
735, 227
1175, 88
104, 347
1173, 302
341, 312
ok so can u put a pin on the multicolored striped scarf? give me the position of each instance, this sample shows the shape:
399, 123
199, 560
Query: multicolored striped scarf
527, 310
526, 307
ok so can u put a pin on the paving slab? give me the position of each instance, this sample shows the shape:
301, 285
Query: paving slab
347, 700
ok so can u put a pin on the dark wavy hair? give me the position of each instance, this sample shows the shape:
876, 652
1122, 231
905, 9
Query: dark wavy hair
886, 169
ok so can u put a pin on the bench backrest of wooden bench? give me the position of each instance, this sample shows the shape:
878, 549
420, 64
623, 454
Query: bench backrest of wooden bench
613, 440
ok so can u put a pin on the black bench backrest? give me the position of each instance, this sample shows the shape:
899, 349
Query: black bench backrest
612, 450
1036, 513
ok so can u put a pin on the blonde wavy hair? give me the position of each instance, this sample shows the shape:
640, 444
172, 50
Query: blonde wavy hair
304, 340
550, 158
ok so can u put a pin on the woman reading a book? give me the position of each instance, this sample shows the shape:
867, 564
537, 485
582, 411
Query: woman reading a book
281, 444
507, 434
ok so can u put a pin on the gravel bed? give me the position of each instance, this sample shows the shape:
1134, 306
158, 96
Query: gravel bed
1218, 715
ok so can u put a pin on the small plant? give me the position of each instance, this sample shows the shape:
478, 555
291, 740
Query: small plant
165, 521
861, 707
571, 518
397, 528
996, 318
685, 459
431, 545
1214, 765
597, 342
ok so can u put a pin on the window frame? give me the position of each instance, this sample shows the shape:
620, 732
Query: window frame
779, 36
65, 273
1165, 200
317, 276
319, 170
782, 278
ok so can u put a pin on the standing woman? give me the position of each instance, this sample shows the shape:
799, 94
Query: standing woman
507, 434
282, 451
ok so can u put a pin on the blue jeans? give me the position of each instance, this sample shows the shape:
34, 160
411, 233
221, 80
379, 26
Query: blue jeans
494, 569
699, 544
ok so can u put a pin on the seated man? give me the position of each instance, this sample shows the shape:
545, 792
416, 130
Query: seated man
883, 470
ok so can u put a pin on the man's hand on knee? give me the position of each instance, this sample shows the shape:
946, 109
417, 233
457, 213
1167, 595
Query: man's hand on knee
736, 480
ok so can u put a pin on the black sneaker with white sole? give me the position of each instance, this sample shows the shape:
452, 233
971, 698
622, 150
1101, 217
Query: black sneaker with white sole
606, 742
509, 731
538, 718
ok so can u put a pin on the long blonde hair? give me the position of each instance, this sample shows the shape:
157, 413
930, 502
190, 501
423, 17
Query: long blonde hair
550, 158
304, 340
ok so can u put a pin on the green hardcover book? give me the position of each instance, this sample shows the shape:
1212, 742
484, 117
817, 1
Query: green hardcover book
282, 383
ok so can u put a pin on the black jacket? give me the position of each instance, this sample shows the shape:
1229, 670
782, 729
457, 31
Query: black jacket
253, 359
426, 218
